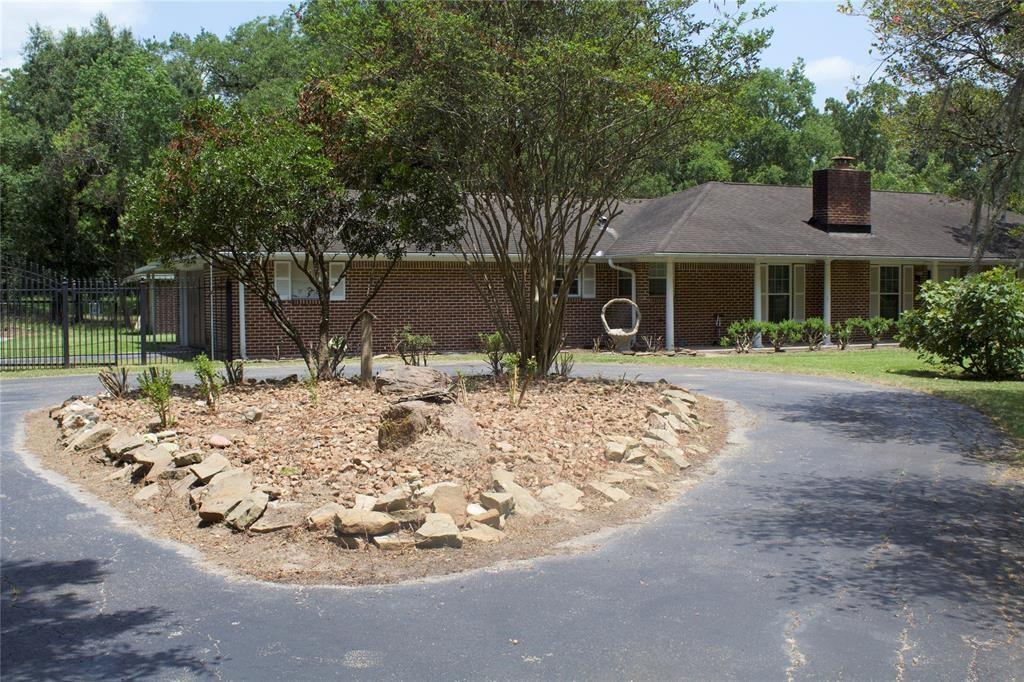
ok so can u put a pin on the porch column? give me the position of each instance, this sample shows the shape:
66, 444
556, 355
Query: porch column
757, 299
670, 305
826, 308
935, 271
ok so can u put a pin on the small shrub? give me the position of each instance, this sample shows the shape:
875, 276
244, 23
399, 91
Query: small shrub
155, 386
338, 347
876, 328
413, 348
741, 333
652, 343
115, 380
815, 331
843, 331
782, 333
975, 323
519, 376
312, 389
208, 381
234, 373
493, 346
564, 363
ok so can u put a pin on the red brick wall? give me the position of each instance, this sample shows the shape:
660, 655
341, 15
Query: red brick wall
434, 297
841, 196
705, 289
166, 306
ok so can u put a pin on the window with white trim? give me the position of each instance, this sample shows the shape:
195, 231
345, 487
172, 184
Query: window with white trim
889, 291
585, 284
625, 285
779, 293
657, 279
292, 284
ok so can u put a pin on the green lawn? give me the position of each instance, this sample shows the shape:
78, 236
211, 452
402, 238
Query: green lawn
1003, 401
43, 340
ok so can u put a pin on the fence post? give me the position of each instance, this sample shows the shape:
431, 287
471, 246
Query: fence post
229, 322
143, 321
65, 322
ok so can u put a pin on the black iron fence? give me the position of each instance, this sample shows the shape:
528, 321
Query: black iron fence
48, 322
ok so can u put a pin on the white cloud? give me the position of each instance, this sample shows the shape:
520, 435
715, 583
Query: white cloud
18, 15
833, 69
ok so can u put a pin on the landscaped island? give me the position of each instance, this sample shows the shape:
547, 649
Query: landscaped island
419, 474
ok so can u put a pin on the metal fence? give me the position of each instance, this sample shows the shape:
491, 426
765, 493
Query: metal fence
48, 322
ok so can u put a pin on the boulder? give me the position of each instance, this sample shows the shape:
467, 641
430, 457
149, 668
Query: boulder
155, 462
561, 495
403, 423
323, 517
184, 458
438, 530
223, 493
77, 411
675, 456
364, 502
181, 487
611, 492
210, 467
474, 509
479, 532
503, 503
362, 522
218, 441
121, 444
491, 518
395, 541
451, 500
147, 493
246, 512
680, 394
166, 435
394, 499
457, 422
92, 437
504, 482
405, 380
279, 516
614, 451
425, 495
410, 517
666, 436
253, 415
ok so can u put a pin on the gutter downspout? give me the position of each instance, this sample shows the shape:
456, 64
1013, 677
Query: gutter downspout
632, 274
213, 340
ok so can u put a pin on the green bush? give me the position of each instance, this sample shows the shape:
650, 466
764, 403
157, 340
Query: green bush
412, 347
782, 333
740, 334
975, 323
155, 386
814, 332
877, 327
208, 381
843, 331
493, 346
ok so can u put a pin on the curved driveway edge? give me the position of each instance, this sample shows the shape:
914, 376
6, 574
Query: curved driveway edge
852, 538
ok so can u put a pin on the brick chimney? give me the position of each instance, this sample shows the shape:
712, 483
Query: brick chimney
842, 197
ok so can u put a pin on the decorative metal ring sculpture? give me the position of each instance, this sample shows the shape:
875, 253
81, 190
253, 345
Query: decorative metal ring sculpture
623, 338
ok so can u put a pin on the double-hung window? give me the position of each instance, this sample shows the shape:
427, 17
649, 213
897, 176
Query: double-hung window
292, 284
657, 279
779, 293
625, 285
583, 286
889, 291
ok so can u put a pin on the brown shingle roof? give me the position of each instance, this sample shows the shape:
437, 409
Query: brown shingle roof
741, 219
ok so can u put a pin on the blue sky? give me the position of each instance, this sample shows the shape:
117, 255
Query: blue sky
835, 47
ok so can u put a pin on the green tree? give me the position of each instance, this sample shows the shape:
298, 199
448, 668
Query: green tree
544, 116
237, 188
82, 118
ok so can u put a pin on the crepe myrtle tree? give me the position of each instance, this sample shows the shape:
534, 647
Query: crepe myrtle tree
237, 189
544, 115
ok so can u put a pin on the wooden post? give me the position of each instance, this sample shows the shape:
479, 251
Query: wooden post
366, 360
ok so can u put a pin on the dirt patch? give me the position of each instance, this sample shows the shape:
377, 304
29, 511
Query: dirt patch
327, 452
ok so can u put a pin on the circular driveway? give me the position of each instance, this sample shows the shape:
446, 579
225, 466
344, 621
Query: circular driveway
849, 534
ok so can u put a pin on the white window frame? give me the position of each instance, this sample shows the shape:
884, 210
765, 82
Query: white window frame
898, 293
334, 270
585, 284
284, 281
657, 272
788, 293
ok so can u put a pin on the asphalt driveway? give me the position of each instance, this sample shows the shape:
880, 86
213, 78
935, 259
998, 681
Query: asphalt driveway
851, 536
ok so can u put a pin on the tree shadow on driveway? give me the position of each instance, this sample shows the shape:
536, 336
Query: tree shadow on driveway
50, 631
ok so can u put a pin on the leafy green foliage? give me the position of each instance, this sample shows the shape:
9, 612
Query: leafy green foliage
234, 372
814, 332
876, 328
412, 347
155, 387
842, 332
208, 381
975, 323
782, 333
312, 385
741, 334
493, 346
563, 365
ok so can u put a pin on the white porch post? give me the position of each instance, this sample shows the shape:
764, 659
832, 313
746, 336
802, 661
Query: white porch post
935, 271
670, 305
757, 299
241, 322
827, 296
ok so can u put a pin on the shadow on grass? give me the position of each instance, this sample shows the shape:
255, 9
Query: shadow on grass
51, 631
883, 542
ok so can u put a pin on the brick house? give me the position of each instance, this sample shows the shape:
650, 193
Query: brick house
693, 261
